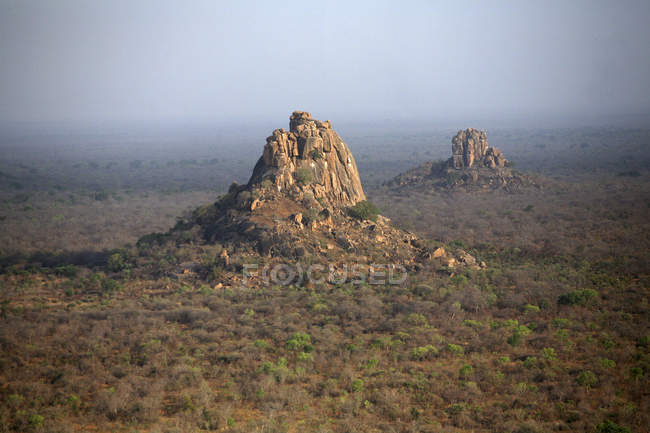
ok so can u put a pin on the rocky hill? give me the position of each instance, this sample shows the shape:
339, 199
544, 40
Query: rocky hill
304, 201
474, 165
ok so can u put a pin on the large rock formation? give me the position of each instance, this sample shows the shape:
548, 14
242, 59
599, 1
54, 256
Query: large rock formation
300, 203
470, 148
474, 165
312, 157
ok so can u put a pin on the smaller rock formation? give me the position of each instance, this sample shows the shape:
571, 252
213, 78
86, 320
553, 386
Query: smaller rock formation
474, 165
470, 148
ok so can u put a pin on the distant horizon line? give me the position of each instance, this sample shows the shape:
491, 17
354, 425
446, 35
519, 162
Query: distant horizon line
625, 120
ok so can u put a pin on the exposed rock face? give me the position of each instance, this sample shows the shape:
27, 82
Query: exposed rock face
470, 148
312, 157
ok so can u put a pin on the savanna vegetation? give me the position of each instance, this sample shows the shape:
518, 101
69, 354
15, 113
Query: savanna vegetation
100, 332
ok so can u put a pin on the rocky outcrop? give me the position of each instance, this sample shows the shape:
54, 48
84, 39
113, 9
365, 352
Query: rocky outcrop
310, 157
474, 165
470, 148
297, 205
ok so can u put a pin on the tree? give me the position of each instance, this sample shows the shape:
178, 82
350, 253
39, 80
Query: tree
364, 210
303, 176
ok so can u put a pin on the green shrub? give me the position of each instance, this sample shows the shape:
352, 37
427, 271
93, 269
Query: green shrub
423, 352
457, 243
382, 343
116, 262
109, 285
305, 357
310, 215
316, 154
561, 322
611, 427
364, 210
472, 323
261, 344
577, 297
608, 343
304, 176
607, 363
459, 279
549, 354
636, 372
300, 341
514, 339
587, 379
356, 385
35, 420
372, 363
266, 367
75, 403
531, 309
530, 362
417, 319
455, 349
517, 335
243, 198
151, 240
523, 330
466, 370
15, 399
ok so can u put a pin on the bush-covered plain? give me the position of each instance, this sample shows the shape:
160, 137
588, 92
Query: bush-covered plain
552, 336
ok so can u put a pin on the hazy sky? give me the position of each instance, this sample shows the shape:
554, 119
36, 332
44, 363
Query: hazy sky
158, 60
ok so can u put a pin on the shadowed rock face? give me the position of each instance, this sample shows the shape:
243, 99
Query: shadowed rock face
312, 157
470, 148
